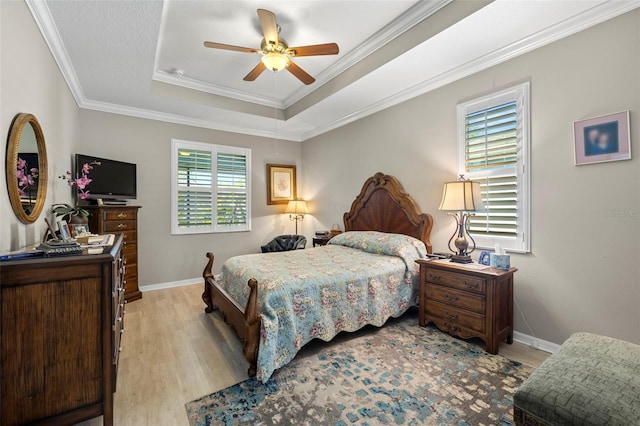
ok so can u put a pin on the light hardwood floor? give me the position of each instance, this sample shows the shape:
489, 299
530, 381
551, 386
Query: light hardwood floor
174, 353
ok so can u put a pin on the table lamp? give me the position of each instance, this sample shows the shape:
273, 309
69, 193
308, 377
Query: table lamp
297, 209
461, 197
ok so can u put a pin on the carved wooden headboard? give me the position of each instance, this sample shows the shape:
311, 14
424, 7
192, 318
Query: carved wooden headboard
384, 206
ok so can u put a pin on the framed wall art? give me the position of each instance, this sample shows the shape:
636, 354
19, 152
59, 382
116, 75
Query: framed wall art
281, 183
601, 139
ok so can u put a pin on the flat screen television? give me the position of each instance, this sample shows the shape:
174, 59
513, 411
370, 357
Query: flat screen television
111, 179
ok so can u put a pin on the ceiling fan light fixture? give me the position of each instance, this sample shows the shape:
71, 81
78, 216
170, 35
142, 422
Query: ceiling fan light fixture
275, 61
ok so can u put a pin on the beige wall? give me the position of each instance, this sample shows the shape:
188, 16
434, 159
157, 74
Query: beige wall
164, 257
31, 82
584, 269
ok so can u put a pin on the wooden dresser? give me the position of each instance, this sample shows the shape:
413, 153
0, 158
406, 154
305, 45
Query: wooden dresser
62, 319
124, 219
467, 302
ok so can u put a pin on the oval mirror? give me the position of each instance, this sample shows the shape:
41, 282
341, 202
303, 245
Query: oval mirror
26, 167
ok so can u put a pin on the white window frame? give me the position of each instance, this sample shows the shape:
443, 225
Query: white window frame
177, 144
521, 94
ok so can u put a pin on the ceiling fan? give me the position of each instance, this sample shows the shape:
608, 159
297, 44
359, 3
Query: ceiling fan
276, 54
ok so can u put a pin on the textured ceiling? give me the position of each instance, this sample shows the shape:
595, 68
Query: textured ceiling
123, 56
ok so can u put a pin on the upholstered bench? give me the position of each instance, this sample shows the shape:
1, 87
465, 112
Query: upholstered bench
592, 380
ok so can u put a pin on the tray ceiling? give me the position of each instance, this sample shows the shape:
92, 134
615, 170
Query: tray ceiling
147, 59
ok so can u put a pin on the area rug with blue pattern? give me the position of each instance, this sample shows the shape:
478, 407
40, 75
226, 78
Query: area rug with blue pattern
398, 374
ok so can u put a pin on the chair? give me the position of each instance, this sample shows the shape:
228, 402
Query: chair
285, 243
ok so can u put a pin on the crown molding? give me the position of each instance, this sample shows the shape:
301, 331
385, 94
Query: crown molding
591, 17
42, 15
407, 20
213, 89
187, 121
598, 14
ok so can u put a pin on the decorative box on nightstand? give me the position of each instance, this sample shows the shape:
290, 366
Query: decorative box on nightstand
467, 301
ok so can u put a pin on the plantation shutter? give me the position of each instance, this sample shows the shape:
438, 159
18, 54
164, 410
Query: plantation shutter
211, 188
194, 188
493, 151
232, 189
491, 145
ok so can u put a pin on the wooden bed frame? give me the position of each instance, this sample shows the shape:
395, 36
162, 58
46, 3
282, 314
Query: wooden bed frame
382, 205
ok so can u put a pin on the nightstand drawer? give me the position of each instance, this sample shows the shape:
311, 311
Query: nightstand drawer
456, 298
459, 281
464, 318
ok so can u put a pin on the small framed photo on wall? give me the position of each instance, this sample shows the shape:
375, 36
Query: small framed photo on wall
281, 183
602, 139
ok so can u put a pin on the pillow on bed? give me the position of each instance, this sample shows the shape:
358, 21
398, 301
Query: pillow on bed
398, 245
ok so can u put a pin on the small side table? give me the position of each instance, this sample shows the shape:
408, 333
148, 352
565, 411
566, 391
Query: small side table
321, 241
467, 301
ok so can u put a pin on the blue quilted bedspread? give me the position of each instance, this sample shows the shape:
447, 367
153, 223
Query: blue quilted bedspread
359, 278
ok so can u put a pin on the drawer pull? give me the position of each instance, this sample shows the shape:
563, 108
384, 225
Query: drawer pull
119, 349
122, 215
435, 277
470, 285
452, 327
450, 316
449, 298
122, 226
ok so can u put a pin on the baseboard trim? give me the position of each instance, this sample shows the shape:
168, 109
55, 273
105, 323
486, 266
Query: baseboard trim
171, 284
525, 339
536, 343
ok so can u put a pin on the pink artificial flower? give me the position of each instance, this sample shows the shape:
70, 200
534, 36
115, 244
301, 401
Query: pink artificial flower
20, 174
21, 163
34, 170
84, 195
85, 168
83, 182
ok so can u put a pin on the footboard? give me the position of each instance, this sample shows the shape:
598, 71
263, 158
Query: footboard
244, 320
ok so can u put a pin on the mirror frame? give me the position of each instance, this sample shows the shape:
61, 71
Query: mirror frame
13, 148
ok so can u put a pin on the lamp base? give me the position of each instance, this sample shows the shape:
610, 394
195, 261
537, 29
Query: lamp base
461, 259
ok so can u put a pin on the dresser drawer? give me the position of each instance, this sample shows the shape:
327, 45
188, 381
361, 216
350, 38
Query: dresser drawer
120, 215
119, 225
456, 298
130, 251
459, 281
455, 315
131, 275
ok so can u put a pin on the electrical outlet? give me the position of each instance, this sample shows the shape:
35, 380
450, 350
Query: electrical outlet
534, 344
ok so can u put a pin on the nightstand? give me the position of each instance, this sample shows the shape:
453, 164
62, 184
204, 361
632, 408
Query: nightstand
321, 241
466, 301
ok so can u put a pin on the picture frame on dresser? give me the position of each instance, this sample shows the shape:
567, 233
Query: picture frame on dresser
78, 229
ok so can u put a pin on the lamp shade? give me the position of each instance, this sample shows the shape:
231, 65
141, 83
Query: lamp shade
275, 61
297, 207
461, 195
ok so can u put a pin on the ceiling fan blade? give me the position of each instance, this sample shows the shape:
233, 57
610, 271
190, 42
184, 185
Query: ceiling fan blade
300, 74
315, 49
229, 47
269, 26
254, 73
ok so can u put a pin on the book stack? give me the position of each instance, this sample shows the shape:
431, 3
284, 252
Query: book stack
322, 234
